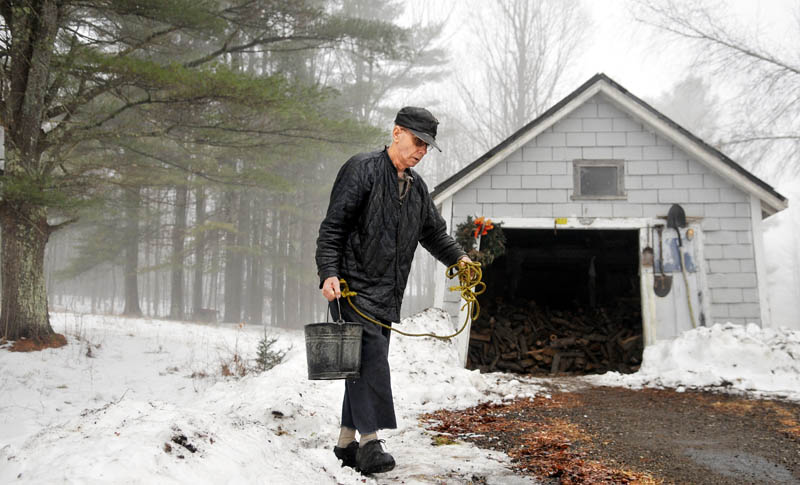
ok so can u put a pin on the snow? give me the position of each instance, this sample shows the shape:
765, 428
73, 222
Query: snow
102, 408
762, 362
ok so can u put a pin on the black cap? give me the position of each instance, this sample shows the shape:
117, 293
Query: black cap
420, 122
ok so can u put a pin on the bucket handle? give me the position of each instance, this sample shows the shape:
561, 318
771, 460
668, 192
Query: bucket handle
339, 320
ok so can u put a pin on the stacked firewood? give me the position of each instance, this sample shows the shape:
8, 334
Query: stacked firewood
531, 339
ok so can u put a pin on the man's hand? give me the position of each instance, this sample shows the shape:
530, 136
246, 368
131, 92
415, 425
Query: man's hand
330, 288
462, 261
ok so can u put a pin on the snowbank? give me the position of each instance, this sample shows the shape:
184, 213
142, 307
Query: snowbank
127, 400
763, 362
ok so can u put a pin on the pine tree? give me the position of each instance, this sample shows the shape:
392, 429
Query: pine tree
83, 82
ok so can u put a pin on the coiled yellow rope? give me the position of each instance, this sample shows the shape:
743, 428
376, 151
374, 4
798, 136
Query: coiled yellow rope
470, 285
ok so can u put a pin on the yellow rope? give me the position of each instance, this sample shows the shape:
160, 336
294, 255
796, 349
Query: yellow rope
470, 285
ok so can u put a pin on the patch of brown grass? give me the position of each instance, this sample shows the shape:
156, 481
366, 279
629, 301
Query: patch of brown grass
546, 448
786, 417
33, 345
236, 366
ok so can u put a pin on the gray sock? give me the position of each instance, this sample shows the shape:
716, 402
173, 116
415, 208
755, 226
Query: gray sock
346, 436
366, 438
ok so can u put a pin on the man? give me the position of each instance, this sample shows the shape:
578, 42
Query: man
379, 210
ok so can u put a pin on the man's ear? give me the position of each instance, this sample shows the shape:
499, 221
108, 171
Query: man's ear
396, 133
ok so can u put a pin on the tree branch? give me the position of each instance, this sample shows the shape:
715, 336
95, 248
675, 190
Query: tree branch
751, 139
669, 19
226, 49
51, 228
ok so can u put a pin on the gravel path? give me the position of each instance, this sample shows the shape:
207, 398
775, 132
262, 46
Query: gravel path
617, 435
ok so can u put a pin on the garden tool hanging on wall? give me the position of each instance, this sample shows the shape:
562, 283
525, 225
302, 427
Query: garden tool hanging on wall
676, 219
662, 283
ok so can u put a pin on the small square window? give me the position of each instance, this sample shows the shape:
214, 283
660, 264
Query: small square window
598, 179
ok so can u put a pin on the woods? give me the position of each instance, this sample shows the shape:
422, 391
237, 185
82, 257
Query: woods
183, 148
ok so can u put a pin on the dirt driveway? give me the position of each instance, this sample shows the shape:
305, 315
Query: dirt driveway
616, 435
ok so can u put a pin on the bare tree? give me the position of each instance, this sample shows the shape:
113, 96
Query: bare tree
765, 75
526, 46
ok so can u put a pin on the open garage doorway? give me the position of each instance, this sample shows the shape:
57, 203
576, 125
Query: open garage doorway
561, 301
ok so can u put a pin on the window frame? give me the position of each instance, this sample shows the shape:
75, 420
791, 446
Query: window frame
577, 164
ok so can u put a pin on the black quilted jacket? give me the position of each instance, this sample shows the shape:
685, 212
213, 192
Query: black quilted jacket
369, 235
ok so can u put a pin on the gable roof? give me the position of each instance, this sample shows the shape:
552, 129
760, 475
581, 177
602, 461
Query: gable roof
771, 200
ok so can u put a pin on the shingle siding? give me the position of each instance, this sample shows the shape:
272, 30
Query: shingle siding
492, 196
569, 124
551, 168
688, 181
536, 153
537, 181
581, 139
551, 140
567, 153
506, 182
657, 152
597, 153
642, 168
598, 124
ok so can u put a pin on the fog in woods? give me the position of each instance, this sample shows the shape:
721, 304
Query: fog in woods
206, 204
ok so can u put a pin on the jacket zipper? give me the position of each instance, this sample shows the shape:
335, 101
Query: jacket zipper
397, 258
397, 295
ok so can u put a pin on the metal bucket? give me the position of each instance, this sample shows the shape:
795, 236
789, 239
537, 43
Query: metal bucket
333, 350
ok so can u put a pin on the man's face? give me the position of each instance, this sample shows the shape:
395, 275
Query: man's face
410, 149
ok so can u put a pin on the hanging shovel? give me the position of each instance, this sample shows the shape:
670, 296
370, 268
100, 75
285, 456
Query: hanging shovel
662, 283
676, 219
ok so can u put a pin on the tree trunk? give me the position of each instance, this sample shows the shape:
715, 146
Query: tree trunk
29, 36
305, 277
199, 251
255, 273
214, 270
154, 256
24, 307
244, 243
178, 234
278, 283
291, 263
283, 244
133, 199
233, 264
213, 281
113, 273
93, 295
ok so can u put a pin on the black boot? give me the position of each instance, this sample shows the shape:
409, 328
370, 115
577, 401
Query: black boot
347, 455
372, 459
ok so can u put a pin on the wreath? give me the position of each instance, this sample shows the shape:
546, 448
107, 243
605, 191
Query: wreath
492, 240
